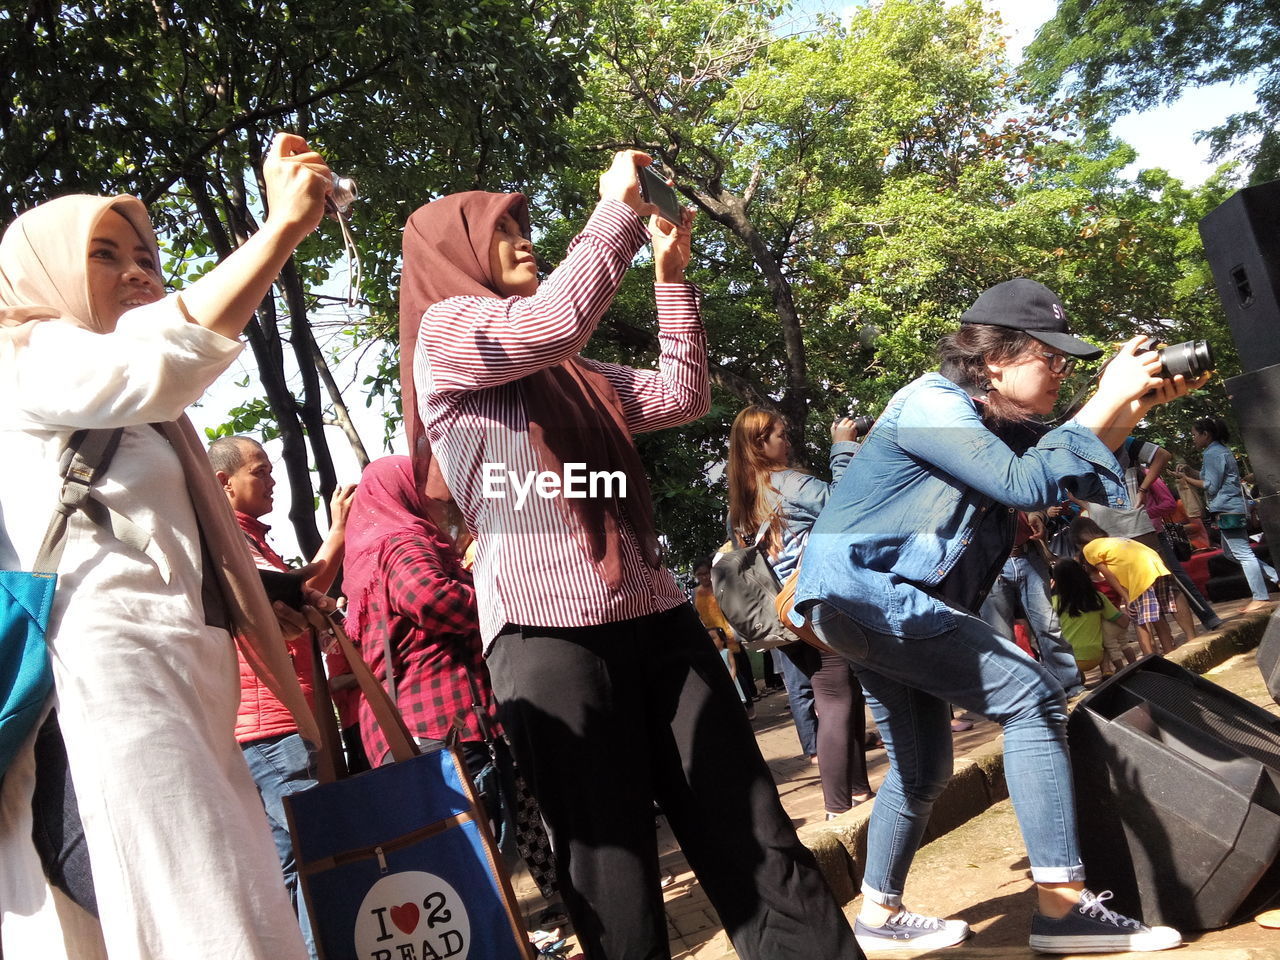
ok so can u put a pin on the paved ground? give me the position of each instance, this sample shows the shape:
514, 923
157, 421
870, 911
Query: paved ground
978, 872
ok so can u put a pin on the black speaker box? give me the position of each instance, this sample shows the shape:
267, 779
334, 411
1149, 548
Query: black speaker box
1178, 796
1255, 398
1242, 241
1269, 656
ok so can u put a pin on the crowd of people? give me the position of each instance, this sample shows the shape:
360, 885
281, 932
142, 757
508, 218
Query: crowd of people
549, 626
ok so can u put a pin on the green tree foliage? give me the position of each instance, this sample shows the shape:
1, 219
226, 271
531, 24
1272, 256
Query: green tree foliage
1123, 55
174, 100
858, 186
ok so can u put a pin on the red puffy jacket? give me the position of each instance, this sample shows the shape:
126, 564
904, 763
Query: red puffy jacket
261, 713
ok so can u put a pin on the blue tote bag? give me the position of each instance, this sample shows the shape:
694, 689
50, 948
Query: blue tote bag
26, 676
26, 597
396, 863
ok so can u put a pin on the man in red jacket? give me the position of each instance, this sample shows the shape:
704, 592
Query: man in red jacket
279, 759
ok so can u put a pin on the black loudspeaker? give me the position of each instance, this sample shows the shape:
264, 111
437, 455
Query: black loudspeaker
1178, 796
1269, 656
1255, 398
1242, 241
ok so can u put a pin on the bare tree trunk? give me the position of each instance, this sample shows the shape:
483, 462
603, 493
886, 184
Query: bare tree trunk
731, 212
305, 350
264, 339
340, 411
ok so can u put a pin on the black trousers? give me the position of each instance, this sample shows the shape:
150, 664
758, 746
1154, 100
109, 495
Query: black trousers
605, 720
842, 732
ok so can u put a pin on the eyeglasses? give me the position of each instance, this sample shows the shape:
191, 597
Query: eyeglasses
1059, 363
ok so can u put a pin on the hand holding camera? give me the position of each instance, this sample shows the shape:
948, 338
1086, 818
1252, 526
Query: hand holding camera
298, 184
290, 596
851, 428
1144, 377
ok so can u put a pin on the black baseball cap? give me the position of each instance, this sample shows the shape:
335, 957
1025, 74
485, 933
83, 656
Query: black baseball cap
1034, 309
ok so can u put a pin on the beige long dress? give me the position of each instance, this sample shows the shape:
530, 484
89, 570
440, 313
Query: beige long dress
146, 692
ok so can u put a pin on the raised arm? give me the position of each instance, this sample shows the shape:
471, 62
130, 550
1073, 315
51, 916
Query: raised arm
297, 181
941, 426
335, 542
471, 343
1130, 386
420, 586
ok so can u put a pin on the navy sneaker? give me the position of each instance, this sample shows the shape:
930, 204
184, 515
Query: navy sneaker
910, 931
1092, 928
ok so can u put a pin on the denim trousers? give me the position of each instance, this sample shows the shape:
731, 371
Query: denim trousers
282, 765
909, 685
1024, 582
1200, 606
791, 659
1237, 546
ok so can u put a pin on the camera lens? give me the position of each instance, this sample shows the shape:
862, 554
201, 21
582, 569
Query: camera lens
862, 425
1191, 358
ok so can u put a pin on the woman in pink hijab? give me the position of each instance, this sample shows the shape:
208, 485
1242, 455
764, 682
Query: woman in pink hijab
145, 675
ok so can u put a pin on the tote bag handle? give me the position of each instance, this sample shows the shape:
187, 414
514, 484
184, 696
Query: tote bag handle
385, 712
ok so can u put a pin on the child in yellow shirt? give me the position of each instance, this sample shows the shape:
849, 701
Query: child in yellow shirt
1140, 577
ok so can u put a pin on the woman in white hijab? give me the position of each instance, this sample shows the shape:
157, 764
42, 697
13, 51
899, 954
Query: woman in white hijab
145, 676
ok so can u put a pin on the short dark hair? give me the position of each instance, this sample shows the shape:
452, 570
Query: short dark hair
226, 454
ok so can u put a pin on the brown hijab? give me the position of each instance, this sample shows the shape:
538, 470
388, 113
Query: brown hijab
43, 255
574, 412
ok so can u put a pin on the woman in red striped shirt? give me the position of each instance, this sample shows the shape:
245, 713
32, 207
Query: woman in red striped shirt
608, 685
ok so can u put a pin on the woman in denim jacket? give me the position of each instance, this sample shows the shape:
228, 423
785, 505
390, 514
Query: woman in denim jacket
907, 548
1220, 479
764, 489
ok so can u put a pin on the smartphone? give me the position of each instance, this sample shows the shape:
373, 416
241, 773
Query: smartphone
285, 587
661, 194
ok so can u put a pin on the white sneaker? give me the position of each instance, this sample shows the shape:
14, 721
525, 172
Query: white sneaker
910, 931
1092, 928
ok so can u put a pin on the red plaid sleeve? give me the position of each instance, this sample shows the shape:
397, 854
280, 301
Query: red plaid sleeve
427, 614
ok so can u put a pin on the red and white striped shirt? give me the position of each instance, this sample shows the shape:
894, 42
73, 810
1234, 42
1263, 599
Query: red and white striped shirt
532, 566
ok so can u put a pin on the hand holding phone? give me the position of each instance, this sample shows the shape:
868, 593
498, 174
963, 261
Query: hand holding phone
657, 191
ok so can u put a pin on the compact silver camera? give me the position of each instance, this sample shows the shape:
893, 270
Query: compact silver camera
345, 193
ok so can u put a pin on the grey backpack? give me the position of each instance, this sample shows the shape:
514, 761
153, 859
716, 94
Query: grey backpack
745, 587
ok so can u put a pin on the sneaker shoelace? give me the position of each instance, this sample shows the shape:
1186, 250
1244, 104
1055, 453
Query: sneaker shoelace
1091, 905
905, 918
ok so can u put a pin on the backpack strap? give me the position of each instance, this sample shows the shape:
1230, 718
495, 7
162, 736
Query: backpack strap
764, 528
85, 460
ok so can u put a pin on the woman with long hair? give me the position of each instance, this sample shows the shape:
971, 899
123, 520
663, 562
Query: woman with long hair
608, 685
145, 678
900, 560
769, 498
1219, 478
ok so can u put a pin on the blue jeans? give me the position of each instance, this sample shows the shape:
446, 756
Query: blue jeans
1200, 606
909, 684
280, 766
1024, 581
1236, 546
799, 692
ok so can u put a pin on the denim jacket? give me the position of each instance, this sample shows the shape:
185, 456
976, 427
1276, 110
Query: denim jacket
912, 529
1221, 476
800, 499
